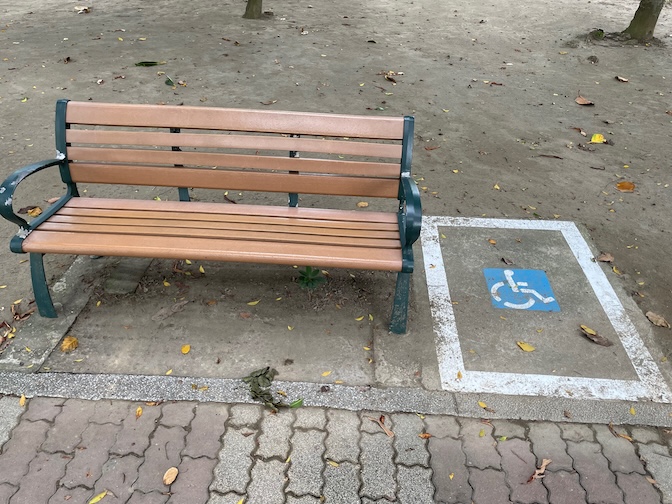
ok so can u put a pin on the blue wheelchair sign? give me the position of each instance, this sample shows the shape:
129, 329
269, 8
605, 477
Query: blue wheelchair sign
520, 289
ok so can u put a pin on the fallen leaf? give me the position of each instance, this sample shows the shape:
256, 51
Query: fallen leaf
657, 319
98, 497
245, 315
138, 412
69, 344
381, 422
621, 79
296, 404
451, 476
625, 186
149, 63
496, 187
482, 404
539, 473
616, 270
35, 211
170, 476
362, 204
169, 372
502, 438
597, 138
605, 257
200, 268
594, 337
492, 242
332, 463
185, 349
651, 480
424, 435
254, 303
583, 101
632, 411
242, 501
525, 347
432, 147
22, 400
459, 375
481, 433
359, 319
326, 373
166, 283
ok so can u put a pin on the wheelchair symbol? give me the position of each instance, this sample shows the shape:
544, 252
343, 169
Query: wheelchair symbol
503, 289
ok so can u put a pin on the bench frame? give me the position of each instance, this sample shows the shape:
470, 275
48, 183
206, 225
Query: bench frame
409, 216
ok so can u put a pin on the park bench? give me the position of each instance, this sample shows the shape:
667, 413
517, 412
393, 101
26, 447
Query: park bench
226, 149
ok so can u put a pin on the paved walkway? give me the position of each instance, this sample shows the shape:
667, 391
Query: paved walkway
58, 450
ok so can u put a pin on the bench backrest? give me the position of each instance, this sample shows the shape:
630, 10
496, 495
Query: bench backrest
233, 149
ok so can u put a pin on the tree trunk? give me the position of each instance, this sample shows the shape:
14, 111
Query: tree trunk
642, 25
253, 9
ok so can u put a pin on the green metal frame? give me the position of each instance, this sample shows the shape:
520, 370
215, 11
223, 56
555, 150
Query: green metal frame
293, 200
183, 192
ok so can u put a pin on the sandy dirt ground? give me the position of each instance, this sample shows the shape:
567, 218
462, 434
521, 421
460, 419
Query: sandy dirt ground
492, 87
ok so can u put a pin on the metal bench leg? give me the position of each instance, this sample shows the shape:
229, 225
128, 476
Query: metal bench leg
400, 307
40, 288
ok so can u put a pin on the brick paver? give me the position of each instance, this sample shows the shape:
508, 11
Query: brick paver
305, 469
594, 474
193, 480
637, 489
162, 454
489, 486
69, 424
378, 469
207, 428
451, 476
518, 464
564, 488
45, 470
85, 467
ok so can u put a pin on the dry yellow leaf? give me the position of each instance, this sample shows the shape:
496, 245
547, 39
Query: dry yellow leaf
362, 204
492, 242
22, 400
588, 330
170, 476
616, 270
18, 301
69, 344
326, 373
597, 138
3, 286
290, 328
451, 476
138, 412
187, 261
332, 463
278, 299
625, 186
338, 382
459, 375
424, 435
359, 319
34, 212
370, 317
98, 497
185, 349
482, 404
166, 283
254, 303
632, 411
366, 348
169, 372
482, 433
525, 347
496, 187
98, 303
200, 268
443, 236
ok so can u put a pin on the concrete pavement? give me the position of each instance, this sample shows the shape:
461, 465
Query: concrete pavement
69, 450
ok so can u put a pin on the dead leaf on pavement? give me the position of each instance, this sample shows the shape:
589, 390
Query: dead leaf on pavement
98, 497
625, 186
583, 133
583, 101
594, 337
170, 476
651, 480
138, 412
539, 473
185, 349
69, 344
525, 347
381, 422
424, 435
22, 400
605, 257
657, 319
621, 79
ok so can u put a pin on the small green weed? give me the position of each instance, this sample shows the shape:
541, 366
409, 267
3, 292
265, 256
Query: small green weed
310, 278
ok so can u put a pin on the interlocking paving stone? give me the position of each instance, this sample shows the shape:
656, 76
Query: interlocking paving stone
637, 489
21, 448
243, 415
377, 467
276, 430
343, 435
310, 418
508, 429
10, 411
163, 453
106, 411
70, 496
518, 464
594, 473
207, 428
442, 426
42, 408
659, 464
645, 434
235, 461
41, 481
268, 481
6, 491
564, 488
619, 451
415, 485
479, 449
229, 498
489, 486
191, 485
577, 432
448, 458
86, 465
306, 463
177, 414
547, 443
66, 433
134, 434
119, 475
369, 425
341, 484
149, 498
410, 447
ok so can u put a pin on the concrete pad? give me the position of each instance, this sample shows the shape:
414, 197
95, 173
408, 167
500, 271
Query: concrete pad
477, 337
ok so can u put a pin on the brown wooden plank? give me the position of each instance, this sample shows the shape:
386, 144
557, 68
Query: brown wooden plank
213, 141
199, 207
267, 224
213, 250
270, 121
224, 235
234, 180
210, 159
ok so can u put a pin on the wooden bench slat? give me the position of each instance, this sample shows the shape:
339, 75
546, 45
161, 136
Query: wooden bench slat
199, 207
241, 161
188, 117
214, 250
221, 234
213, 141
263, 224
234, 180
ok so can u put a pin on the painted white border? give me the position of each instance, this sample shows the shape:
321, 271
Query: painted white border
651, 384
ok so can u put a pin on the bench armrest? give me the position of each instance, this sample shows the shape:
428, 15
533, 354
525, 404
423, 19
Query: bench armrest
10, 184
410, 210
